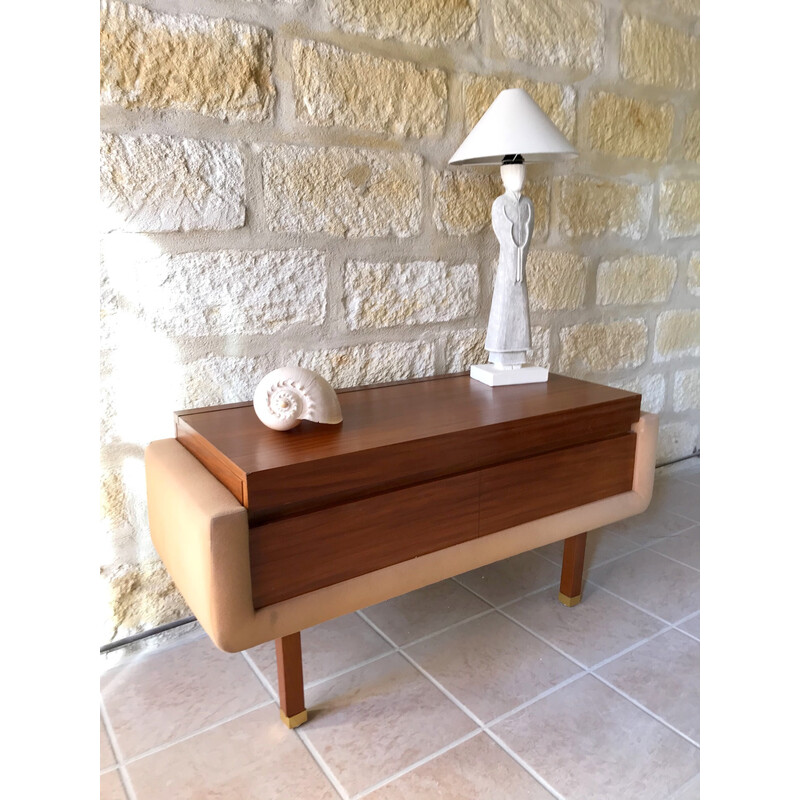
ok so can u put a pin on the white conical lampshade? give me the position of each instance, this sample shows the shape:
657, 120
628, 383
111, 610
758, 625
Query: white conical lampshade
513, 124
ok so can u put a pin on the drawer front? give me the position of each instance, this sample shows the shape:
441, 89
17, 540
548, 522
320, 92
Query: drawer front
292, 556
299, 554
531, 488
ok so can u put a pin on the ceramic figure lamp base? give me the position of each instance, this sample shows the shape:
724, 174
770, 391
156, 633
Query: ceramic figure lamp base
493, 375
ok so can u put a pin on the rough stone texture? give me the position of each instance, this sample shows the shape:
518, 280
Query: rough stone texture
591, 207
627, 127
652, 388
462, 202
140, 593
341, 191
215, 67
679, 208
658, 55
160, 183
691, 136
466, 347
677, 334
690, 8
561, 33
216, 379
676, 440
686, 392
555, 99
556, 280
636, 279
336, 87
693, 274
425, 22
368, 363
419, 292
228, 292
600, 347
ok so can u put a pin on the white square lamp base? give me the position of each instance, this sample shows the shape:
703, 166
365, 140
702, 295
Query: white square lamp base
492, 375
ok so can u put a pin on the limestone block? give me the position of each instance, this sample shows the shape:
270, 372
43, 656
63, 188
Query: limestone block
652, 388
679, 208
659, 55
419, 292
691, 136
466, 347
677, 440
627, 127
689, 8
160, 183
603, 346
226, 293
556, 280
555, 99
591, 206
215, 67
693, 274
214, 379
635, 279
342, 191
686, 392
560, 33
336, 87
143, 595
677, 334
379, 362
425, 22
462, 202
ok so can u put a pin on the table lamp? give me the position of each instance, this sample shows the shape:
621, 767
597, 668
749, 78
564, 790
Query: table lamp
512, 132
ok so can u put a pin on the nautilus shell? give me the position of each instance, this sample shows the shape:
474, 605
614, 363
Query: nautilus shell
289, 394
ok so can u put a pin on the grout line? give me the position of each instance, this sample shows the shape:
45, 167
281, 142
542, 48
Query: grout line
646, 709
676, 560
529, 769
160, 748
260, 676
420, 763
125, 779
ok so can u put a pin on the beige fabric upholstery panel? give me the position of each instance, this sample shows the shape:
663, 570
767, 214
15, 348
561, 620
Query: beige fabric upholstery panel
203, 540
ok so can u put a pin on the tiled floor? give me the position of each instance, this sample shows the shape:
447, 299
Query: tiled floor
483, 686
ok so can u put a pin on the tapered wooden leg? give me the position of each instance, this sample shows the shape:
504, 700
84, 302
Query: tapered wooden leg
572, 570
290, 680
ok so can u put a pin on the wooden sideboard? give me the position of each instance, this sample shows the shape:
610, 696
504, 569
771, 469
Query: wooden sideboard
414, 468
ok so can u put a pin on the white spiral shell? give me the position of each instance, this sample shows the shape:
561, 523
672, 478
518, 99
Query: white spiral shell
289, 394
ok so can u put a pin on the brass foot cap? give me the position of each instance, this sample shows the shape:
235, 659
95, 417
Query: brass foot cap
297, 719
569, 602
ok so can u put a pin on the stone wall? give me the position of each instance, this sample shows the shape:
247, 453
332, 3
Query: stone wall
275, 190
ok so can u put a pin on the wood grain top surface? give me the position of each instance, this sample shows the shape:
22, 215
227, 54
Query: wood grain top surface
384, 415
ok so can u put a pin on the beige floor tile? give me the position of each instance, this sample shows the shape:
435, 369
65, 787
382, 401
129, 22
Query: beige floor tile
691, 791
111, 787
378, 719
162, 696
328, 648
590, 743
107, 758
252, 756
601, 545
597, 628
685, 547
511, 578
491, 665
652, 582
478, 769
692, 626
423, 612
664, 676
677, 497
650, 526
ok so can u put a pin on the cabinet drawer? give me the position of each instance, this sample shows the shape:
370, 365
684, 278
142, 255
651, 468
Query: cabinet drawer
299, 554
